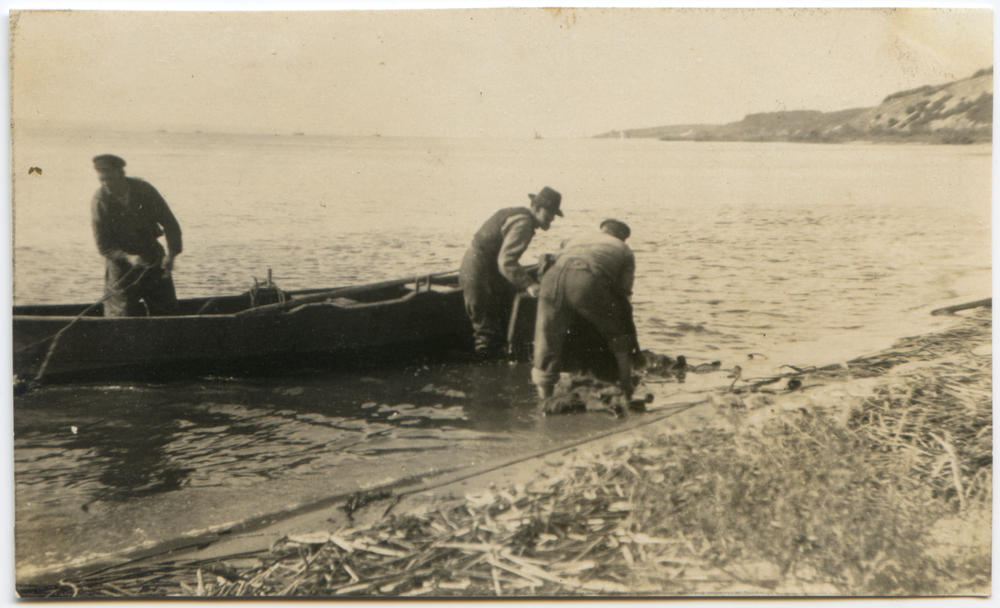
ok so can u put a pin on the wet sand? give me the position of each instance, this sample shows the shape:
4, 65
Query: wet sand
430, 492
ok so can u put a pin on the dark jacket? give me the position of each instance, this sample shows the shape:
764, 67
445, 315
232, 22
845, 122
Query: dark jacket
122, 230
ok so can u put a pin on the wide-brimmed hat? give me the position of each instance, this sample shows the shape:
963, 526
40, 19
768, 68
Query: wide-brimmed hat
105, 162
619, 225
547, 199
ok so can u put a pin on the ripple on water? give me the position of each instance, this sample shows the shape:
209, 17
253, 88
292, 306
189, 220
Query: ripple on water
193, 453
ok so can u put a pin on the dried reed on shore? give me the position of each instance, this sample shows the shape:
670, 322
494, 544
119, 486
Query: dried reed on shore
801, 506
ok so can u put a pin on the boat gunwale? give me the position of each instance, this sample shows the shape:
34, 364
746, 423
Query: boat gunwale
239, 314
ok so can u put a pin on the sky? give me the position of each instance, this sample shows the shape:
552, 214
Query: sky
478, 72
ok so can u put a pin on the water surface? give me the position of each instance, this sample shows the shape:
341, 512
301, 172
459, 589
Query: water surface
806, 254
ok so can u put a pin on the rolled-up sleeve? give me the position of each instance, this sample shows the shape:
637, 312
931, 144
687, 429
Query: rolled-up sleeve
517, 234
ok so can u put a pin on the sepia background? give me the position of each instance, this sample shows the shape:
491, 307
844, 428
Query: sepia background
336, 148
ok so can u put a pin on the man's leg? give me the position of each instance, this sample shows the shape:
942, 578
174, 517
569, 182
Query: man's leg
121, 302
551, 322
621, 347
611, 315
500, 310
159, 293
477, 291
484, 311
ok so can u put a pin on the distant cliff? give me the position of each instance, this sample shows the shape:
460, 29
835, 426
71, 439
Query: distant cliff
956, 113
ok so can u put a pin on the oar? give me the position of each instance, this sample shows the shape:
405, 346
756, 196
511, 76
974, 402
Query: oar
341, 292
512, 324
539, 268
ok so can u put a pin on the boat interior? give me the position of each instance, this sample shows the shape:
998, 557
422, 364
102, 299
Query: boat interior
270, 295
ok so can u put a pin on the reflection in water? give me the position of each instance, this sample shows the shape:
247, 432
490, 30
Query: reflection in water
94, 464
137, 469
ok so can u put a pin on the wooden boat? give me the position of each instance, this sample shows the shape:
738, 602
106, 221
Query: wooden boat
261, 331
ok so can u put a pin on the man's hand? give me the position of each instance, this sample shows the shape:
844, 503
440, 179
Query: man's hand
167, 264
134, 260
532, 290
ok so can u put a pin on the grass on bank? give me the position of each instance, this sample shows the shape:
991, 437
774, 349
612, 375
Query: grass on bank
814, 501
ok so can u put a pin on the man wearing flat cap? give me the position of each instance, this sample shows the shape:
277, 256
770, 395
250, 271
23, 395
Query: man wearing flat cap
491, 272
129, 216
591, 280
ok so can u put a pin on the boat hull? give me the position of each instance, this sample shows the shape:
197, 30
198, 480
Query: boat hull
380, 326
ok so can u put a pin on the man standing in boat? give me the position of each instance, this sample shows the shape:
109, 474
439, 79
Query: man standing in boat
129, 215
592, 278
491, 273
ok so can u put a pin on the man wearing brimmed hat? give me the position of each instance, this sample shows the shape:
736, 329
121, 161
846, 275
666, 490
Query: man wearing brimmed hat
129, 215
491, 272
591, 279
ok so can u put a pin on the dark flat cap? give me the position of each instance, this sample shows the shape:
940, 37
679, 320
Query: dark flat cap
618, 225
108, 161
549, 199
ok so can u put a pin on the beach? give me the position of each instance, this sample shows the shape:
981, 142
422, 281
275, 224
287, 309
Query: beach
873, 478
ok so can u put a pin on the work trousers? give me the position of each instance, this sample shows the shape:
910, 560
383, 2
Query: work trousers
571, 289
130, 287
488, 300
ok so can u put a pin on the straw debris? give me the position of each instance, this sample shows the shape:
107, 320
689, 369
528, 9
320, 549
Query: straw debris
814, 502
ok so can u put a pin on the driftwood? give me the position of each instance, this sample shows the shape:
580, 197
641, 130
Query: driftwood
952, 309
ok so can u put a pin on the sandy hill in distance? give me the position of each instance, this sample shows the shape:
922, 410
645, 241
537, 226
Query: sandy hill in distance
960, 112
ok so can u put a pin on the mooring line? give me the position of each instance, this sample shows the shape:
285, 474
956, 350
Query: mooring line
55, 337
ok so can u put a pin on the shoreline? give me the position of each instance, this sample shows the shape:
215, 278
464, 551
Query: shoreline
830, 393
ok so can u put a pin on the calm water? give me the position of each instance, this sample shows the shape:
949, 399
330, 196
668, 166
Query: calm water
807, 254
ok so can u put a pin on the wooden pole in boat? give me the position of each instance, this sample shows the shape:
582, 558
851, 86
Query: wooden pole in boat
512, 324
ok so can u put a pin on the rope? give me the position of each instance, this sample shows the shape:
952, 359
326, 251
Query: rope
55, 337
269, 285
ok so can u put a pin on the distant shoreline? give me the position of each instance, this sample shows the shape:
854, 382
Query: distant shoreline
960, 112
